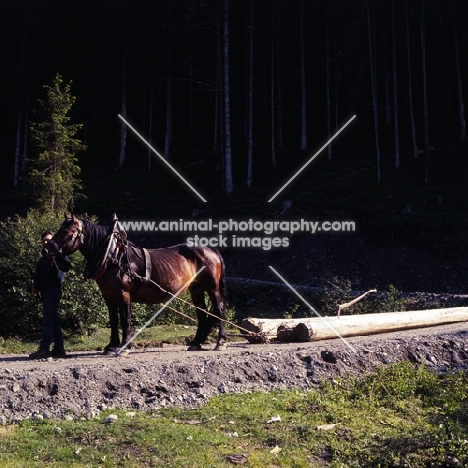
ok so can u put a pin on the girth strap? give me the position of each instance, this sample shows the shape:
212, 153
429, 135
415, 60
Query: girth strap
147, 265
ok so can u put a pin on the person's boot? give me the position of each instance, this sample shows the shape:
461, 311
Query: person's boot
58, 353
41, 353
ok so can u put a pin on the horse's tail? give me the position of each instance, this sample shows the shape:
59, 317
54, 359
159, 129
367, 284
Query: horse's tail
222, 278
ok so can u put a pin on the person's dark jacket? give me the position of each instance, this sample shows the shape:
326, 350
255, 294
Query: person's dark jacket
50, 270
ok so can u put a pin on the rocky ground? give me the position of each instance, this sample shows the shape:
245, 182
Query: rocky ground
87, 383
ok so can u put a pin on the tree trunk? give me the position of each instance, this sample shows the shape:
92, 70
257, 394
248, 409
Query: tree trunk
414, 138
374, 90
123, 112
303, 82
318, 328
21, 122
228, 182
460, 104
169, 91
425, 103
272, 89
150, 119
395, 93
191, 80
217, 140
386, 81
169, 110
250, 97
17, 165
327, 83
279, 82
336, 70
24, 160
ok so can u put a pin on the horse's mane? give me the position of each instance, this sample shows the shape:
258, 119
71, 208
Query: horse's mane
95, 235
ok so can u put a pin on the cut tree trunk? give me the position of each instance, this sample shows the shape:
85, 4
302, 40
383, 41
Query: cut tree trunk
322, 328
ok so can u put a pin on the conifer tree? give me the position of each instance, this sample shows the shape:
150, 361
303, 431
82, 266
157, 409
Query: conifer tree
54, 173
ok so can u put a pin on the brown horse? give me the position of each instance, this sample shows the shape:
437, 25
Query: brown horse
126, 273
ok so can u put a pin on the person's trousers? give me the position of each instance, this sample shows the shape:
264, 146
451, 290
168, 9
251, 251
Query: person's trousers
51, 328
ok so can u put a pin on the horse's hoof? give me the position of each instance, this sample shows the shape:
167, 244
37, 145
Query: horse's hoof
194, 348
221, 347
108, 351
123, 353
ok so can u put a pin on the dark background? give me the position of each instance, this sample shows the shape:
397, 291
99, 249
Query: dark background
100, 45
84, 41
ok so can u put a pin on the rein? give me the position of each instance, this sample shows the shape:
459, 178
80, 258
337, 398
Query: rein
153, 283
120, 258
147, 279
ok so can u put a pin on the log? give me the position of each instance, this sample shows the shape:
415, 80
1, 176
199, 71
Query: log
304, 332
265, 330
317, 328
285, 333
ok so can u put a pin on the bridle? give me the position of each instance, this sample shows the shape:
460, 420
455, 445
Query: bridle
77, 235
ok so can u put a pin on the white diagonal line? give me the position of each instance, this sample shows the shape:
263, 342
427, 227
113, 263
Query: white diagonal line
162, 158
331, 327
311, 159
159, 311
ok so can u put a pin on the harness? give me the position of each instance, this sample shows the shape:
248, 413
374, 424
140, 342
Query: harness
115, 251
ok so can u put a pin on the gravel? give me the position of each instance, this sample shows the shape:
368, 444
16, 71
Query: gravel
87, 383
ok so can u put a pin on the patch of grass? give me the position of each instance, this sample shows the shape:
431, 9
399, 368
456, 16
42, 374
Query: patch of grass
396, 416
168, 327
150, 337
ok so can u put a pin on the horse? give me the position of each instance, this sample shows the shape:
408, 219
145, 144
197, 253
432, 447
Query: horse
126, 273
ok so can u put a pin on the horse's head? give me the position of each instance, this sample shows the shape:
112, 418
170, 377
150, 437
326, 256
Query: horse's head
69, 238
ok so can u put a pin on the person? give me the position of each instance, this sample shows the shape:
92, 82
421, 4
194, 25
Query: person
47, 285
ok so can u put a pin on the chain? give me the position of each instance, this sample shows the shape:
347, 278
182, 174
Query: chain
132, 274
250, 333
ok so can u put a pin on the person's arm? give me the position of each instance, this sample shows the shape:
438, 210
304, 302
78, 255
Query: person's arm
63, 264
37, 283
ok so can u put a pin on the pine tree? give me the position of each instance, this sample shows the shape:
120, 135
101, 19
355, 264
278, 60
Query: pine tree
54, 173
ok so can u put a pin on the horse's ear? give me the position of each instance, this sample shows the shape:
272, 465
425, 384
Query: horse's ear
66, 216
75, 219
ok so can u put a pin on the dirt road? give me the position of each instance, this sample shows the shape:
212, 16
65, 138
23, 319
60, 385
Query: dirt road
86, 383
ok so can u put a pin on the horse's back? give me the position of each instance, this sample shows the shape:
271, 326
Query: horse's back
191, 252
186, 261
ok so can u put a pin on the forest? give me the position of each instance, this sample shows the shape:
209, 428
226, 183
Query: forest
237, 95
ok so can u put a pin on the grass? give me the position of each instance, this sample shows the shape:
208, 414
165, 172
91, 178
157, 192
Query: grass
150, 337
397, 416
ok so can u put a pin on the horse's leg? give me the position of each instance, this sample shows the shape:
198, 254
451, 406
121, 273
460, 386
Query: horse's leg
114, 342
218, 310
207, 322
215, 287
198, 298
125, 312
112, 303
